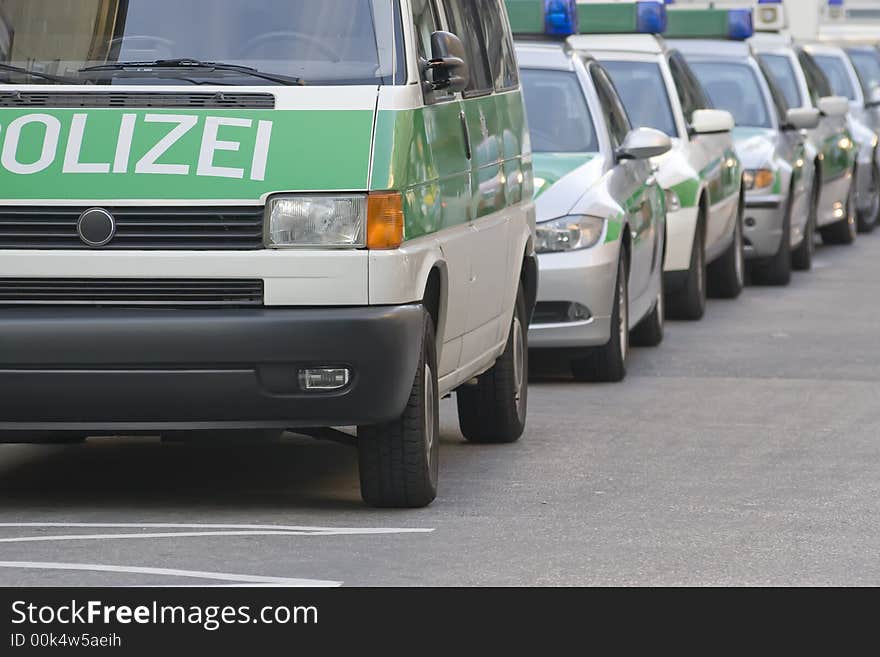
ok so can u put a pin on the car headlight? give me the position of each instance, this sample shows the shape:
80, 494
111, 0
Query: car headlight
569, 234
325, 221
758, 179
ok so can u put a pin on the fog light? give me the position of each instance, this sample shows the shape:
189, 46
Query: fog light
579, 313
324, 378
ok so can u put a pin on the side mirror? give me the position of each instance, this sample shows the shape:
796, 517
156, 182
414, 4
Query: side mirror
711, 121
802, 118
448, 67
834, 106
643, 144
873, 98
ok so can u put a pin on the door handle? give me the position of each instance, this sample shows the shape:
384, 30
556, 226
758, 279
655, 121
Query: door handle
467, 135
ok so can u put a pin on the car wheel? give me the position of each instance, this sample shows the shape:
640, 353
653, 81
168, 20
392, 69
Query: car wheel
607, 364
844, 231
494, 409
399, 460
727, 274
802, 256
649, 332
869, 217
689, 302
776, 270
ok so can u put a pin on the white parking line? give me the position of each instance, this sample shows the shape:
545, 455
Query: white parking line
297, 530
233, 579
181, 534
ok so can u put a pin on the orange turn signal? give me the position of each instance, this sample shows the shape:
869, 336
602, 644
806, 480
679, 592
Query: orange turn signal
384, 220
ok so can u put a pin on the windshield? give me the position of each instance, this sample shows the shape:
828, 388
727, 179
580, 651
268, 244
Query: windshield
835, 71
643, 91
868, 67
735, 88
559, 117
320, 41
783, 74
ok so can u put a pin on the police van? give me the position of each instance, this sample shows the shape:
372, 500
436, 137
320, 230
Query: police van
300, 215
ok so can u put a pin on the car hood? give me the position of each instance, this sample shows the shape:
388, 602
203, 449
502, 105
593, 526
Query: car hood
755, 146
561, 179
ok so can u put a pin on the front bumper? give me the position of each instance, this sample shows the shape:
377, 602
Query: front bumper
586, 277
763, 225
101, 369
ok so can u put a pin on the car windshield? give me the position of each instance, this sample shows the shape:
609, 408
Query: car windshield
643, 91
868, 67
559, 117
320, 41
835, 71
735, 88
783, 74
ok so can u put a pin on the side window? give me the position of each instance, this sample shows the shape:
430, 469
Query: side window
819, 85
612, 109
690, 92
464, 21
426, 22
499, 44
779, 100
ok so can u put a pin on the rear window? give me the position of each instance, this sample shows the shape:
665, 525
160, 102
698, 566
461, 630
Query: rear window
559, 117
735, 88
783, 73
835, 70
643, 91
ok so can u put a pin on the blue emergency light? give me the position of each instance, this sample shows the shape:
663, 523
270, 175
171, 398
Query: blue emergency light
560, 17
536, 18
733, 24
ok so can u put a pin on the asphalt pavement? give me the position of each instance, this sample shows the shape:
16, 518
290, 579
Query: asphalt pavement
745, 450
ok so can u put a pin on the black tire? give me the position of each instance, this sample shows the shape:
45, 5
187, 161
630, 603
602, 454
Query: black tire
776, 270
650, 331
689, 302
494, 410
802, 256
844, 231
607, 364
868, 219
399, 460
727, 275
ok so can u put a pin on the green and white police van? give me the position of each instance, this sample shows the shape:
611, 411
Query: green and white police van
271, 215
601, 214
702, 175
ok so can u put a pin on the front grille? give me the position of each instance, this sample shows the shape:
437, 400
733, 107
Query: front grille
138, 99
139, 228
129, 292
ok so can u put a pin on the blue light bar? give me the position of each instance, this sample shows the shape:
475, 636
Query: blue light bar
651, 17
560, 17
740, 25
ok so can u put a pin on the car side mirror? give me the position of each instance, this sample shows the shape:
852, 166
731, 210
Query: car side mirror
802, 118
711, 121
873, 98
448, 66
643, 144
834, 106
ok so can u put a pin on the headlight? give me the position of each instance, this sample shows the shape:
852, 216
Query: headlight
569, 234
759, 179
316, 221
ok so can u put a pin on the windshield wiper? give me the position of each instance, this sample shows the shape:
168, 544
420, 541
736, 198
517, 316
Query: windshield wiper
185, 63
59, 79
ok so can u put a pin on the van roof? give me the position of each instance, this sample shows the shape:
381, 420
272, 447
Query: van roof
631, 43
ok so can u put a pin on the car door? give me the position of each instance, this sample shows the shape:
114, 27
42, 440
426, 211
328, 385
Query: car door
632, 180
489, 221
452, 189
712, 156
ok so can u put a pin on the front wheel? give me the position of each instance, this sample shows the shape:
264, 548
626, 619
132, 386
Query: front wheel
494, 408
689, 302
869, 217
802, 256
776, 270
607, 364
399, 460
650, 331
727, 274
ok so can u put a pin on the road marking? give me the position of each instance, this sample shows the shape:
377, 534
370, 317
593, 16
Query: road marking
295, 529
234, 579
102, 537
